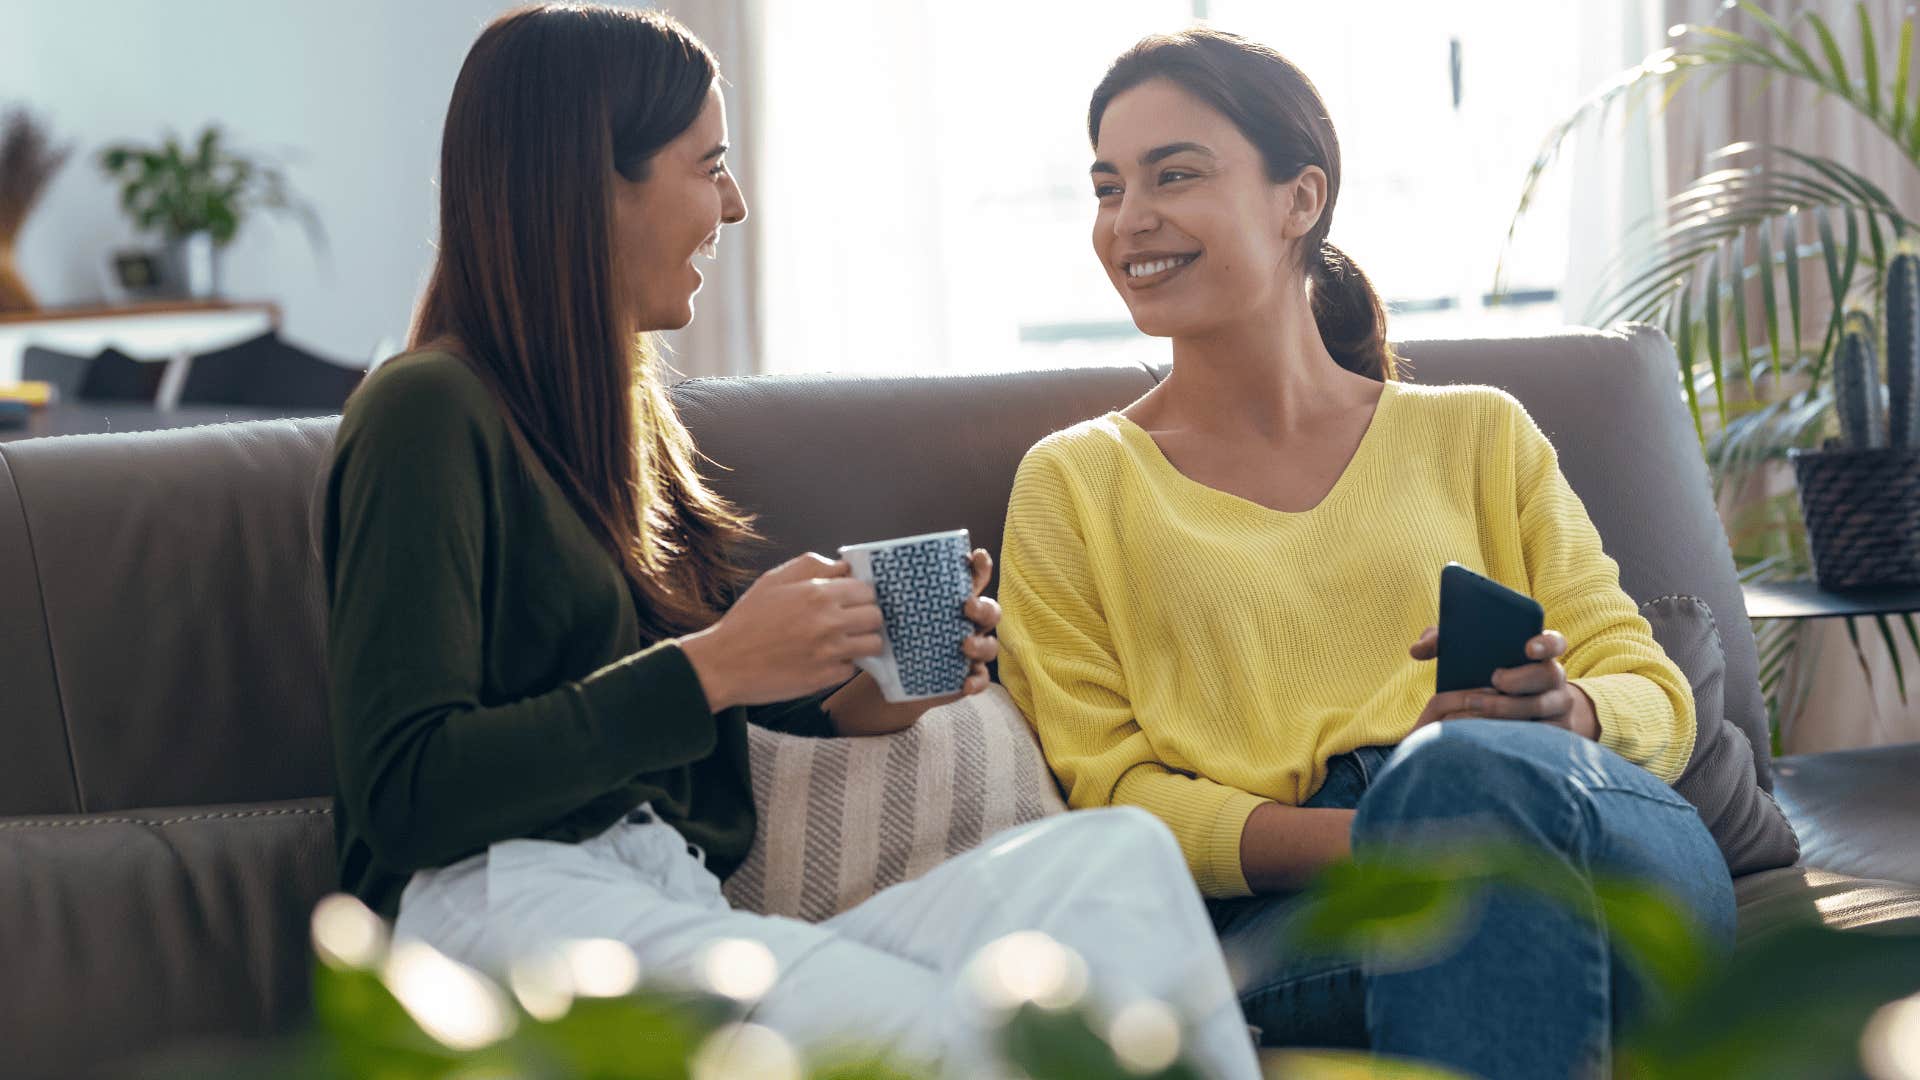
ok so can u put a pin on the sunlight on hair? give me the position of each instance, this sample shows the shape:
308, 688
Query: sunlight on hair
745, 1052
543, 984
450, 1001
346, 933
740, 969
601, 967
1890, 1047
1028, 967
1145, 1036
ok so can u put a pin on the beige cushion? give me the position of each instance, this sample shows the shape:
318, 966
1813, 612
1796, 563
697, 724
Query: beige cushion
841, 819
1745, 821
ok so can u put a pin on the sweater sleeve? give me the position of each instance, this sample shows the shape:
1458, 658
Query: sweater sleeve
1058, 663
429, 770
1643, 702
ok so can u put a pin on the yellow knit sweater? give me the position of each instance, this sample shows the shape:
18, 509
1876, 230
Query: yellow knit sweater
1187, 651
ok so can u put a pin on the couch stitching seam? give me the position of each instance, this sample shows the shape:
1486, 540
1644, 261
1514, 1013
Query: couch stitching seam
224, 816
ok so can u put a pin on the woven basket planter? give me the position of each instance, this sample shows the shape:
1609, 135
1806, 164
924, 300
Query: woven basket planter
1862, 510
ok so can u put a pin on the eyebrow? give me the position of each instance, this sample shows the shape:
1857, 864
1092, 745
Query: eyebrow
1157, 154
714, 153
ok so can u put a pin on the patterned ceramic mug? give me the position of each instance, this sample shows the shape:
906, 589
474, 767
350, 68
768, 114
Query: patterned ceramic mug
922, 583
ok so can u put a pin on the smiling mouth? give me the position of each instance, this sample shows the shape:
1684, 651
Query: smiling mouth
1149, 272
710, 247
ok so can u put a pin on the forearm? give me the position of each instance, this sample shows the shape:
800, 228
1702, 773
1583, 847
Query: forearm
858, 708
1283, 847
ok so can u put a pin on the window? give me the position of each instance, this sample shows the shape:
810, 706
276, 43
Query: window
922, 169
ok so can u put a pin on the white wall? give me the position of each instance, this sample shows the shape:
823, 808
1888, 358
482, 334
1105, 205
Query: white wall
352, 94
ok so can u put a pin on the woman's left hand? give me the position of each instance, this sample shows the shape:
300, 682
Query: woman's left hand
1536, 691
981, 648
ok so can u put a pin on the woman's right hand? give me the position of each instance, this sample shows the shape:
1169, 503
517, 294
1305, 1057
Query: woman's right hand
794, 632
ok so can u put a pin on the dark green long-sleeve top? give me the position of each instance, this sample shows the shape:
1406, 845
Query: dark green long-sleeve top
489, 679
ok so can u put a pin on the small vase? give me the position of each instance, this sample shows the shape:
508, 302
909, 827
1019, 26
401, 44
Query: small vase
14, 294
194, 262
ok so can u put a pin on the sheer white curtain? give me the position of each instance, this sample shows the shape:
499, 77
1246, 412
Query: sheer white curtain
724, 338
1618, 168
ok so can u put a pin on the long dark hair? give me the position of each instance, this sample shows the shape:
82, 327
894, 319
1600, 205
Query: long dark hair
1275, 106
551, 101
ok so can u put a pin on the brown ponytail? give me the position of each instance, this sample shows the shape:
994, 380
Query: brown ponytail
1352, 321
1276, 107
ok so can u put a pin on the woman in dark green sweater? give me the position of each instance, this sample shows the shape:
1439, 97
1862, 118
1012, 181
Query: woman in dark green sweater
543, 663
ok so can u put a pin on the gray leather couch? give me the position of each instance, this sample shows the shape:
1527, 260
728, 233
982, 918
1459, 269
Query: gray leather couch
165, 825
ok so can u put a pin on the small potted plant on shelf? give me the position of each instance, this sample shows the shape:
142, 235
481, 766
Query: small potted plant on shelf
197, 198
1860, 492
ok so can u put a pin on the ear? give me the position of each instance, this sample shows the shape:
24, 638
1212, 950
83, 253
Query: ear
1304, 199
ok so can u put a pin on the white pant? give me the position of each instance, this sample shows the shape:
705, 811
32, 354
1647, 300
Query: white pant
1110, 884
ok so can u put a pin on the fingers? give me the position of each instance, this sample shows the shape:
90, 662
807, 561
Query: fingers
982, 564
977, 680
1550, 643
1427, 645
1496, 706
981, 649
846, 592
805, 567
984, 611
1530, 678
860, 645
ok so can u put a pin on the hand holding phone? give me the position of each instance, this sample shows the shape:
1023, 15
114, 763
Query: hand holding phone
1484, 626
1486, 629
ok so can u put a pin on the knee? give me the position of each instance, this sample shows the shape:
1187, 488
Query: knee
1494, 772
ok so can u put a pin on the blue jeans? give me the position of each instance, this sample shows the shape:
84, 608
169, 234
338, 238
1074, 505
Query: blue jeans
1534, 990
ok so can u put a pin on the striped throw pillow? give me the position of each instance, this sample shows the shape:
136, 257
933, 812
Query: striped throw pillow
841, 819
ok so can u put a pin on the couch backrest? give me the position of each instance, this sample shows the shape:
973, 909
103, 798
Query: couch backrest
161, 612
161, 639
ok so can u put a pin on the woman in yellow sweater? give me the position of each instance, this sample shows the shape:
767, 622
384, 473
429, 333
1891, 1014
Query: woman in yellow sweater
1209, 596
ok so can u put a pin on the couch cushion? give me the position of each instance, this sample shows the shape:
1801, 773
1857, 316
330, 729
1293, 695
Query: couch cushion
1745, 821
126, 932
842, 819
1774, 898
1857, 811
182, 610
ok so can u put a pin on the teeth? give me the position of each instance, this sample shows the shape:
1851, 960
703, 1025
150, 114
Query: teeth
1158, 266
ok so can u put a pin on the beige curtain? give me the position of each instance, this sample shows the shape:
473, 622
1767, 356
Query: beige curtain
1842, 708
724, 338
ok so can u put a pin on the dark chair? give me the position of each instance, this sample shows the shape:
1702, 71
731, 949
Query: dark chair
115, 376
268, 373
64, 370
110, 376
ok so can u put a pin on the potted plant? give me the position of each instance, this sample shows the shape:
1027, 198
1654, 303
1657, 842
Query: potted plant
28, 159
1860, 493
1751, 268
197, 198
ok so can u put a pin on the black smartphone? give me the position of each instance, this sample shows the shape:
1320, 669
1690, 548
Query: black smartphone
1484, 626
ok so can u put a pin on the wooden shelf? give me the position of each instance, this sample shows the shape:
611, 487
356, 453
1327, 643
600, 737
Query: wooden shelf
156, 307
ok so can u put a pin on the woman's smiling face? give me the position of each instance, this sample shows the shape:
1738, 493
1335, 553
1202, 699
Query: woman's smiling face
662, 222
1192, 232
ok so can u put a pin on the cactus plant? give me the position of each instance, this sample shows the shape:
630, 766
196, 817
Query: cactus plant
1856, 384
1903, 350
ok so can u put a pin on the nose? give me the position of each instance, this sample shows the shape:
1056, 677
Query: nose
733, 205
1137, 215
